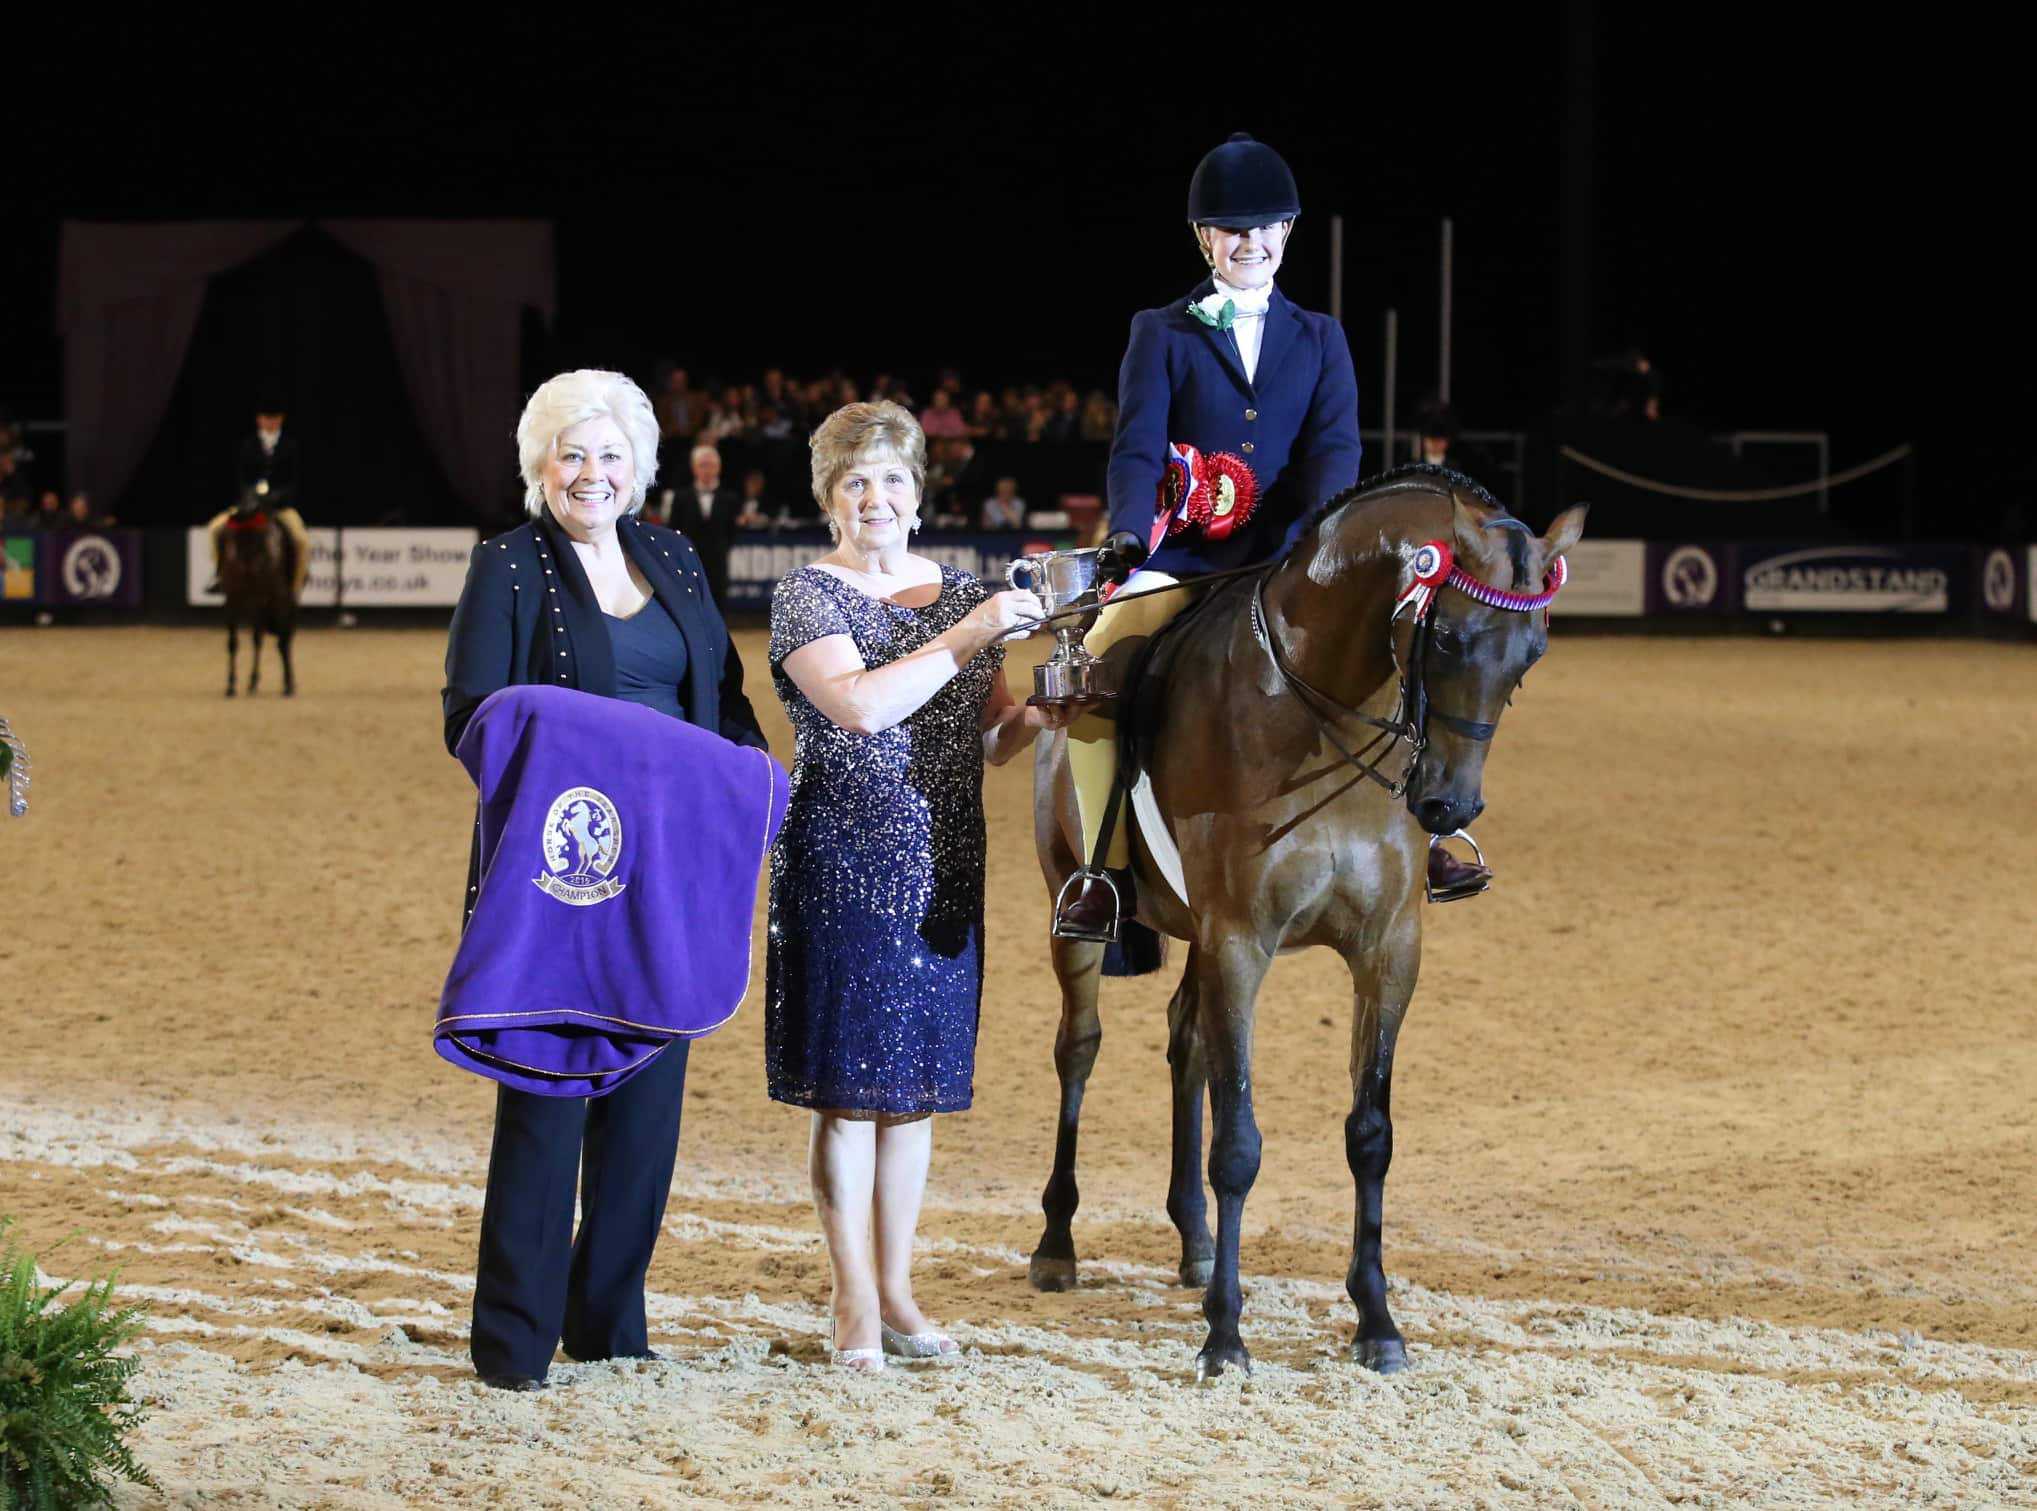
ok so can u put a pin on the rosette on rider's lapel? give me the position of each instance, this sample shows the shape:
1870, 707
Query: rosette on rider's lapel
620, 852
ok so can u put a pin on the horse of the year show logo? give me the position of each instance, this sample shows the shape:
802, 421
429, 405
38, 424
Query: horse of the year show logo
582, 843
91, 568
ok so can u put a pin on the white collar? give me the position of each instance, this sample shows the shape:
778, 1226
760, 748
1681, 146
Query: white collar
1247, 301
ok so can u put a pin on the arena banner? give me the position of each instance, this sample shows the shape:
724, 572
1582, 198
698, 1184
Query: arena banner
17, 569
1839, 578
94, 568
758, 559
1689, 577
1608, 579
2004, 582
383, 568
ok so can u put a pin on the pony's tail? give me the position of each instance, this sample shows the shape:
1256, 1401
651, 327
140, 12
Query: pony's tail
1140, 951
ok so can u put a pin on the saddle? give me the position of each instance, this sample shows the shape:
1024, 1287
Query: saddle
1142, 705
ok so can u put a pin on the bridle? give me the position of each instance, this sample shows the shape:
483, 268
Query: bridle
1431, 568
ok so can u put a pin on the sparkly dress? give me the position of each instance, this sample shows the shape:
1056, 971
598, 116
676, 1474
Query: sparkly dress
876, 945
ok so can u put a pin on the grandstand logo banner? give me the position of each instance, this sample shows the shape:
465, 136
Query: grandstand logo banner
1854, 579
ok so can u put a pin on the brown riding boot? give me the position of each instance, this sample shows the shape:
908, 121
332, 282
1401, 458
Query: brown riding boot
1091, 905
1451, 879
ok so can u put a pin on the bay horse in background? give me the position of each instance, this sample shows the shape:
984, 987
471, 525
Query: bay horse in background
1406, 614
258, 576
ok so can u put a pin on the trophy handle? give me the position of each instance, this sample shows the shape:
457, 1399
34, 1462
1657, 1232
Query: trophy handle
1011, 572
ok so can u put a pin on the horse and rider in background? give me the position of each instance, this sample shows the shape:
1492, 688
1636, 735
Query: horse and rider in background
264, 554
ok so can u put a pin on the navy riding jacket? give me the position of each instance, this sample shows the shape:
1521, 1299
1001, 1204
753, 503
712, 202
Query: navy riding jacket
1295, 424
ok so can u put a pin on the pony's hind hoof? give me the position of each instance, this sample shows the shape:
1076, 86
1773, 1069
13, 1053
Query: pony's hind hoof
1048, 1274
1219, 1359
1194, 1273
1383, 1356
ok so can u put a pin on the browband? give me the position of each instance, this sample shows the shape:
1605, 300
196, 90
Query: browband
1435, 565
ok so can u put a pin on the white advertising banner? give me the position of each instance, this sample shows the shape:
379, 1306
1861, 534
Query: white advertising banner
384, 568
1608, 578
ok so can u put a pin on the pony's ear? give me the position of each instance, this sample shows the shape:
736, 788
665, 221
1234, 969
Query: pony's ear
1564, 533
1471, 540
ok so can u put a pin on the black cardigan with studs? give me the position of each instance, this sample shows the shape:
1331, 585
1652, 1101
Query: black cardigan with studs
528, 614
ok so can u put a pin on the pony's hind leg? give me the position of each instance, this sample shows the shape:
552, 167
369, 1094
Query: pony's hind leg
255, 658
1227, 990
1190, 1075
232, 656
284, 637
1078, 964
1383, 985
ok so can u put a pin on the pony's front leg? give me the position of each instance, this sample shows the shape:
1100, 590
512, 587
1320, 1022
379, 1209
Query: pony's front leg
1079, 966
1383, 982
255, 658
232, 656
1227, 989
283, 639
1190, 1075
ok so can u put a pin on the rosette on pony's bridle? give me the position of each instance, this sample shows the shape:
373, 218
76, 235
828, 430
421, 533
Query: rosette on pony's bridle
1211, 491
1434, 565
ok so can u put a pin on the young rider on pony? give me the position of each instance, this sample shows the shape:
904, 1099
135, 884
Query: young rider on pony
1246, 408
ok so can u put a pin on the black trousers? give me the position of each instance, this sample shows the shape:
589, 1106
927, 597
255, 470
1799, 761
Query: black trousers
536, 1285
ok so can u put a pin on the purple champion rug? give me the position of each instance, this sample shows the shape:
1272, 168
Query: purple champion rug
620, 851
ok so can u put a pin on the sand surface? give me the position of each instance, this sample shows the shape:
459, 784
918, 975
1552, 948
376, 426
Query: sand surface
1716, 1154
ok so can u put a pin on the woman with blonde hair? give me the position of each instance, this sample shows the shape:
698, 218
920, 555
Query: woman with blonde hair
891, 668
584, 596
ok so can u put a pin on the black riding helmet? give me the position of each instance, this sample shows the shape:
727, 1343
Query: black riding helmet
1243, 183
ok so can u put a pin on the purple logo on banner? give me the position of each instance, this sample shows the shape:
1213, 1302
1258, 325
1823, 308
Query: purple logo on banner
97, 567
2001, 583
1688, 579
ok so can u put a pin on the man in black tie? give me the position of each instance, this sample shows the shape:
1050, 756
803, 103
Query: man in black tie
705, 512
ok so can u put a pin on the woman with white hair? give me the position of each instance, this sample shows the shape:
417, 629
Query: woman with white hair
589, 597
891, 668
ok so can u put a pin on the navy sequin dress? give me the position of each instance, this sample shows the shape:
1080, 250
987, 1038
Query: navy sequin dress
876, 946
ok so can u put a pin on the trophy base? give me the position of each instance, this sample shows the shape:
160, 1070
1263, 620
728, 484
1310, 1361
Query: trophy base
1078, 682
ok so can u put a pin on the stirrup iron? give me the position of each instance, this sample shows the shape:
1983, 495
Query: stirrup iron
1464, 889
1106, 935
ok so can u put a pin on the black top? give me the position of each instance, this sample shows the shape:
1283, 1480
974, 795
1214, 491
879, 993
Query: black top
650, 658
528, 614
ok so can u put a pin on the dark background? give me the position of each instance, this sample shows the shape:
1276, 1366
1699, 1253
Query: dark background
1803, 230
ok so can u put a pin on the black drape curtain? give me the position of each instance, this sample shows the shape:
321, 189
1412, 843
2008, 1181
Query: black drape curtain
453, 294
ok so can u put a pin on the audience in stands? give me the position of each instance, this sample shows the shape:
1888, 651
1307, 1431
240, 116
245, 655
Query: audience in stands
1004, 509
770, 419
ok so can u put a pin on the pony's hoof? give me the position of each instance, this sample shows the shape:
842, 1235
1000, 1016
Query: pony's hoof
231, 693
1195, 1273
289, 692
1049, 1274
1384, 1356
1218, 1359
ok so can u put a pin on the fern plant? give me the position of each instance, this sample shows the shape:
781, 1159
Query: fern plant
64, 1406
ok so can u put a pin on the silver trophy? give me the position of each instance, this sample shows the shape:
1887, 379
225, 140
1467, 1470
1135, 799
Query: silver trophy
1072, 581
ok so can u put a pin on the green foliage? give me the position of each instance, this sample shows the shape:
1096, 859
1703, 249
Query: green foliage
64, 1406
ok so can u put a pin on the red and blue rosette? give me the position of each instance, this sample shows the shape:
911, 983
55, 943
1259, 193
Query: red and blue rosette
1180, 483
1428, 569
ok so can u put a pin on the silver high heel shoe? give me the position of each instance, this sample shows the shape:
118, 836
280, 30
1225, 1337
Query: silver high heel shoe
928, 1345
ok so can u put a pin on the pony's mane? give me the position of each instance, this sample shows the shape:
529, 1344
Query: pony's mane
1398, 480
